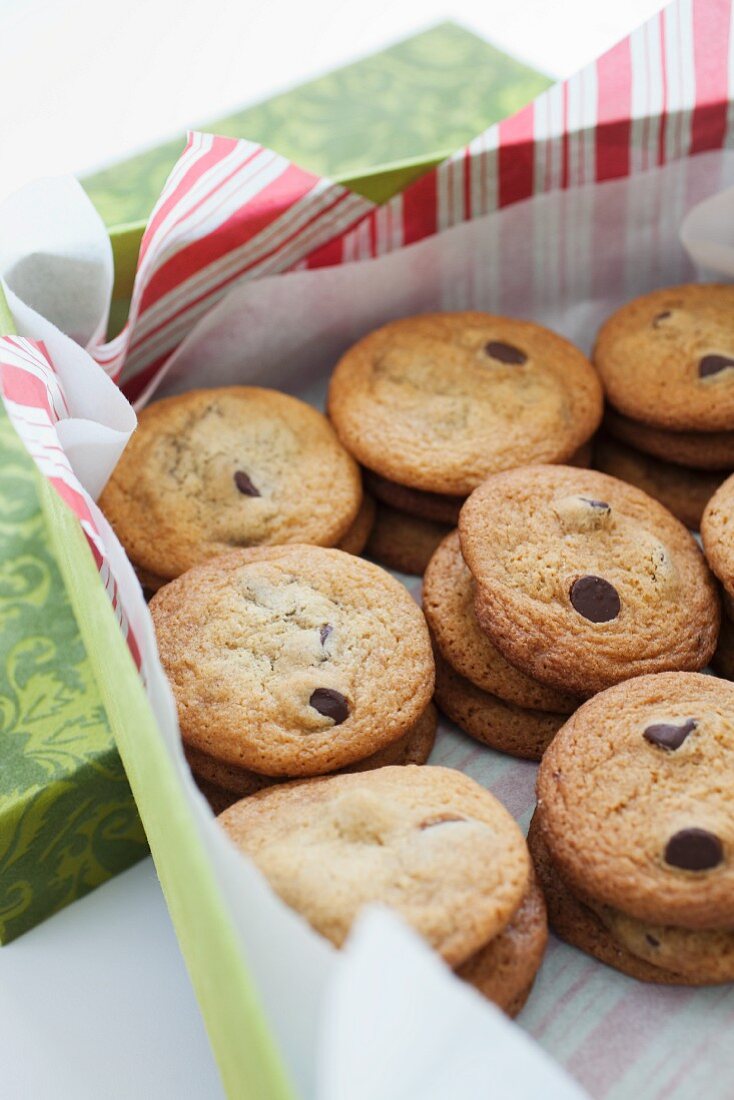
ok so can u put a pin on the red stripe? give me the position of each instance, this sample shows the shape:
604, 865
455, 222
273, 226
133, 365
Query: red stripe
24, 388
241, 226
664, 110
711, 29
215, 291
420, 208
614, 104
516, 156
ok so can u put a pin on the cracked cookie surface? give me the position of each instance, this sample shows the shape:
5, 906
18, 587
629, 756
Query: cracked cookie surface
241, 466
440, 401
293, 660
583, 580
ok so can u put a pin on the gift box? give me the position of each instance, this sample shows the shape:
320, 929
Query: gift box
560, 213
67, 817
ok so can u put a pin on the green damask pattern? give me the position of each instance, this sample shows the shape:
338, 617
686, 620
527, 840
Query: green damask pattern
67, 817
423, 98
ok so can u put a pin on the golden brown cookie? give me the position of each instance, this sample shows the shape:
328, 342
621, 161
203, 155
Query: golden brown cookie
684, 492
403, 542
502, 726
635, 804
716, 533
583, 581
700, 450
428, 842
504, 970
440, 401
293, 660
578, 925
353, 542
667, 358
414, 747
448, 604
210, 470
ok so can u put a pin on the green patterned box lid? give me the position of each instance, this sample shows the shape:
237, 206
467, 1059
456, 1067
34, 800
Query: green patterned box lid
408, 106
67, 816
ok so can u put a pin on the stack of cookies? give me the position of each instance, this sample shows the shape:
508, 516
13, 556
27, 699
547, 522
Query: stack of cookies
560, 582
666, 361
476, 686
210, 470
432, 405
633, 836
430, 843
294, 661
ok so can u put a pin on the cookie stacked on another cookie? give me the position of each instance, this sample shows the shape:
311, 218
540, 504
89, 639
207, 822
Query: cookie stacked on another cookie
633, 836
430, 843
431, 405
476, 687
241, 466
294, 661
667, 364
583, 581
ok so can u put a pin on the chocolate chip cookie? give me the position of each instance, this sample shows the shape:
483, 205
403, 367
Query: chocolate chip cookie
583, 581
414, 747
293, 660
428, 842
210, 470
635, 819
667, 358
448, 604
438, 402
684, 492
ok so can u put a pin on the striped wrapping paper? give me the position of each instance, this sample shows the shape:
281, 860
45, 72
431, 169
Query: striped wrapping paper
233, 211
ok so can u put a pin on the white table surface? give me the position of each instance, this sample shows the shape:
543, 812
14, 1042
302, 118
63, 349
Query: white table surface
95, 1004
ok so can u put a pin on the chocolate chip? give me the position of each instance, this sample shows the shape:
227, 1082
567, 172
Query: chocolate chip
325, 631
505, 353
331, 704
694, 850
660, 317
712, 364
667, 735
652, 940
600, 504
596, 599
244, 484
439, 819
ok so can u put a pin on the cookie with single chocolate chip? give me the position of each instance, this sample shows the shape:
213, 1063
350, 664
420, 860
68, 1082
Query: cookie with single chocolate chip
293, 660
428, 842
403, 542
440, 401
684, 492
667, 358
583, 581
635, 803
699, 450
502, 726
717, 529
448, 604
577, 924
214, 469
414, 747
